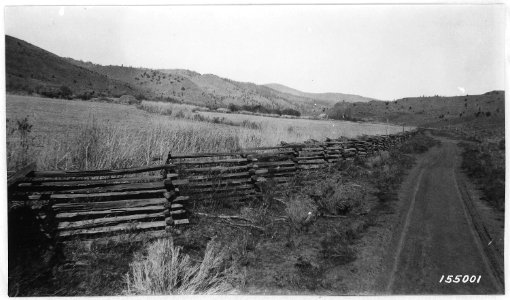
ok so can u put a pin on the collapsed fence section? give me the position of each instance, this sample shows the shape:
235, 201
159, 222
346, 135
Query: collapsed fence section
87, 204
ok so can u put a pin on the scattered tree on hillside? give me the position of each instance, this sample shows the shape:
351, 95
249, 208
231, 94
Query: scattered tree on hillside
290, 112
65, 92
233, 107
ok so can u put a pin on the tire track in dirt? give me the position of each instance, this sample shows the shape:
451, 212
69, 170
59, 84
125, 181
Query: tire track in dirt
436, 236
402, 236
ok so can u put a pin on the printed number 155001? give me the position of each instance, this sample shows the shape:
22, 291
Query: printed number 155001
460, 278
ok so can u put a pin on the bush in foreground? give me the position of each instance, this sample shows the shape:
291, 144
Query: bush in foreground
301, 212
164, 270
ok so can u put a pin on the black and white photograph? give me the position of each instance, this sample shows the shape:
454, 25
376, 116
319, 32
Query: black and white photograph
270, 149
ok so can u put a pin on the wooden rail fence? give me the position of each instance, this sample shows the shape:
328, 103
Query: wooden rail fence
86, 204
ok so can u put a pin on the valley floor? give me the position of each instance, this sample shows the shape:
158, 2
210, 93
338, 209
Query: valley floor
56, 132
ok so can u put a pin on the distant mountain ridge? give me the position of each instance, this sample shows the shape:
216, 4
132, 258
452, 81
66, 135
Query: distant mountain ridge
329, 97
32, 69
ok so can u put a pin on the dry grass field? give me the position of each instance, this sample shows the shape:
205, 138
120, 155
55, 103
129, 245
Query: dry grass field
65, 134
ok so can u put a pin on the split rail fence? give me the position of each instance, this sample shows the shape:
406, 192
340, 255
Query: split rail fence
88, 204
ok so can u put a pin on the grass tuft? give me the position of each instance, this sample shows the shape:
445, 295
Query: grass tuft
301, 212
164, 270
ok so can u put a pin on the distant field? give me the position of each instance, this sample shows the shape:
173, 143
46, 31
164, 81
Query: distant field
89, 135
274, 130
305, 128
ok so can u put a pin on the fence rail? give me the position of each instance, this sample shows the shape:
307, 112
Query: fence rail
87, 204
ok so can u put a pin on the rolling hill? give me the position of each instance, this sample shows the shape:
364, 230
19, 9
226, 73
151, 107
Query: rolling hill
205, 89
428, 111
331, 98
31, 69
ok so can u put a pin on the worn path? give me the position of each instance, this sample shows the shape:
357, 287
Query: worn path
437, 236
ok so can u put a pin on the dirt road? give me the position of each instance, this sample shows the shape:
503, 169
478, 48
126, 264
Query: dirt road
437, 236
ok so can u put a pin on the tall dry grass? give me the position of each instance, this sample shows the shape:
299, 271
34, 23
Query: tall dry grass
99, 145
272, 129
64, 135
93, 135
189, 112
167, 108
164, 270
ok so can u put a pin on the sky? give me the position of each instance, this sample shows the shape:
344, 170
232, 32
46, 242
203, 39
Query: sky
380, 51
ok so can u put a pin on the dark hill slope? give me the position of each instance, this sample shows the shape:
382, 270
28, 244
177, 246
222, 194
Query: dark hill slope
427, 111
30, 68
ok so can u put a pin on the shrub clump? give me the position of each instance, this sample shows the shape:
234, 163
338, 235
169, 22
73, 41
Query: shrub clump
340, 198
301, 212
164, 270
478, 163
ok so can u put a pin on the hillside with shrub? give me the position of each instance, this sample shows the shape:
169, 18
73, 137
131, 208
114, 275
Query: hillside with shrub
184, 86
437, 111
32, 70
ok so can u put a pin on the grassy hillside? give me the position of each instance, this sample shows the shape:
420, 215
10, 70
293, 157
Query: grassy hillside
204, 89
330, 98
31, 69
428, 111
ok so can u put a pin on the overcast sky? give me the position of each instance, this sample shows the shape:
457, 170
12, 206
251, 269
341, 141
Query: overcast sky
384, 51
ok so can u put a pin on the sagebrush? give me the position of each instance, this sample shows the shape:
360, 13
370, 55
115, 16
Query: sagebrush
164, 270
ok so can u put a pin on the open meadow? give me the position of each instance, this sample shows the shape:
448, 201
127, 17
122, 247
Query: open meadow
65, 134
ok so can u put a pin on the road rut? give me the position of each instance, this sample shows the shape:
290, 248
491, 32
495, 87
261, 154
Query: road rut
437, 235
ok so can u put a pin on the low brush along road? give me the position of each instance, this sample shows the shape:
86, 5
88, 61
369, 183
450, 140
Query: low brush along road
437, 236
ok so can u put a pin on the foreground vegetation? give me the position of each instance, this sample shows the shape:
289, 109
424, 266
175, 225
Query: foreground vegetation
483, 156
303, 239
485, 164
66, 134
